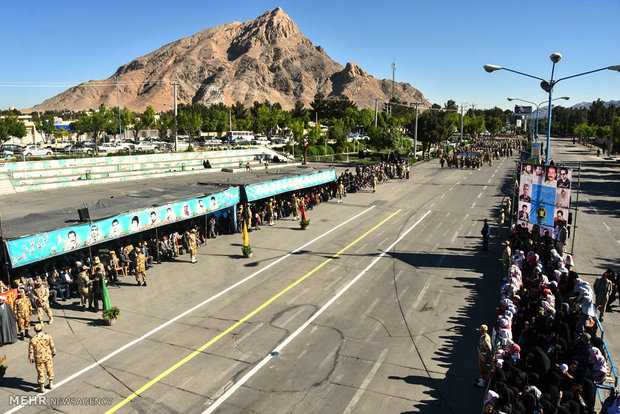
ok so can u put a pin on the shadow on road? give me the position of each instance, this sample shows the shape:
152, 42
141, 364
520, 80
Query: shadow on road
477, 279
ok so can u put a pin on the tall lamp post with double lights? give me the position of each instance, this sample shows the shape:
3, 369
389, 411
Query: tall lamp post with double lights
566, 98
548, 87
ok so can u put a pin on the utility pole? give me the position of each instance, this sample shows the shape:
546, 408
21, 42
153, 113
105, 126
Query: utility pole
118, 103
415, 135
611, 132
176, 125
462, 115
376, 109
393, 77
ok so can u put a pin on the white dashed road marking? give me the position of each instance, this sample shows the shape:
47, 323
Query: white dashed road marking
362, 388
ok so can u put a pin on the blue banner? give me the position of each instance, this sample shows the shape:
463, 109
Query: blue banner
27, 250
269, 189
543, 205
544, 195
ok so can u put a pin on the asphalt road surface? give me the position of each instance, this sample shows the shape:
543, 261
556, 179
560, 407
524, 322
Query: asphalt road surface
372, 309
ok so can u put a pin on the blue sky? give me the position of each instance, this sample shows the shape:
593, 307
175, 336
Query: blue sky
439, 46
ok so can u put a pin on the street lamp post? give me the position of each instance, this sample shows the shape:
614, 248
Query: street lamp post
547, 86
566, 98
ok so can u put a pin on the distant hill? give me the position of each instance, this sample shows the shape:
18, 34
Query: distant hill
586, 105
251, 61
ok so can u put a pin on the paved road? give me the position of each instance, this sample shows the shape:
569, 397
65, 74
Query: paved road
373, 309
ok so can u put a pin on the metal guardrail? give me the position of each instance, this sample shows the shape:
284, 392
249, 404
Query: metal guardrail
606, 385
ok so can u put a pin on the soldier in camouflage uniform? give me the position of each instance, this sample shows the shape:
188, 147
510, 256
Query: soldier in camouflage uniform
98, 267
192, 245
42, 296
40, 352
141, 268
23, 309
83, 283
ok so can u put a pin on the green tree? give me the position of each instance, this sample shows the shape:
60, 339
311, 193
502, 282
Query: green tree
451, 105
297, 127
10, 126
383, 137
243, 124
101, 120
190, 123
299, 111
473, 126
239, 111
493, 124
319, 107
148, 118
261, 119
433, 127
336, 108
314, 134
45, 126
366, 118
164, 123
128, 118
338, 132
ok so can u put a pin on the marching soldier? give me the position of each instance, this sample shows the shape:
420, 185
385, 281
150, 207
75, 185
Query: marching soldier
23, 309
192, 246
42, 297
83, 287
374, 183
141, 268
41, 350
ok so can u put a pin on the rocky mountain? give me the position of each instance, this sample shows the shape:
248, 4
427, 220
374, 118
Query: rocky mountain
246, 62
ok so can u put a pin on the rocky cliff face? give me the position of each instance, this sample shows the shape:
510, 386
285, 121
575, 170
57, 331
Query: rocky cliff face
234, 62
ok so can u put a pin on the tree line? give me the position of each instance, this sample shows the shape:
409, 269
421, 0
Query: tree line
340, 115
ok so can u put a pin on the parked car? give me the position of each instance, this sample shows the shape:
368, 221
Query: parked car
36, 151
110, 147
8, 150
260, 140
146, 146
79, 148
210, 142
182, 146
58, 144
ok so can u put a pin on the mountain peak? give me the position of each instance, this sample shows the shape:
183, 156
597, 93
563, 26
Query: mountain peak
275, 24
353, 70
260, 58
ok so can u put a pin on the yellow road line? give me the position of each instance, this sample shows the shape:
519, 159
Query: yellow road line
240, 321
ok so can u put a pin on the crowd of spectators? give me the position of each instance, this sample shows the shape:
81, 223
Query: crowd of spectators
548, 355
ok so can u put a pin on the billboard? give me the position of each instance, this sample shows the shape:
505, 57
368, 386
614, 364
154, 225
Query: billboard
544, 196
41, 246
520, 109
271, 188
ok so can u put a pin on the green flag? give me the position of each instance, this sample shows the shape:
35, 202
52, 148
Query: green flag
106, 298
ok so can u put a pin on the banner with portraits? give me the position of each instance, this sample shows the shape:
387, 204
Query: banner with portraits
544, 196
30, 249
